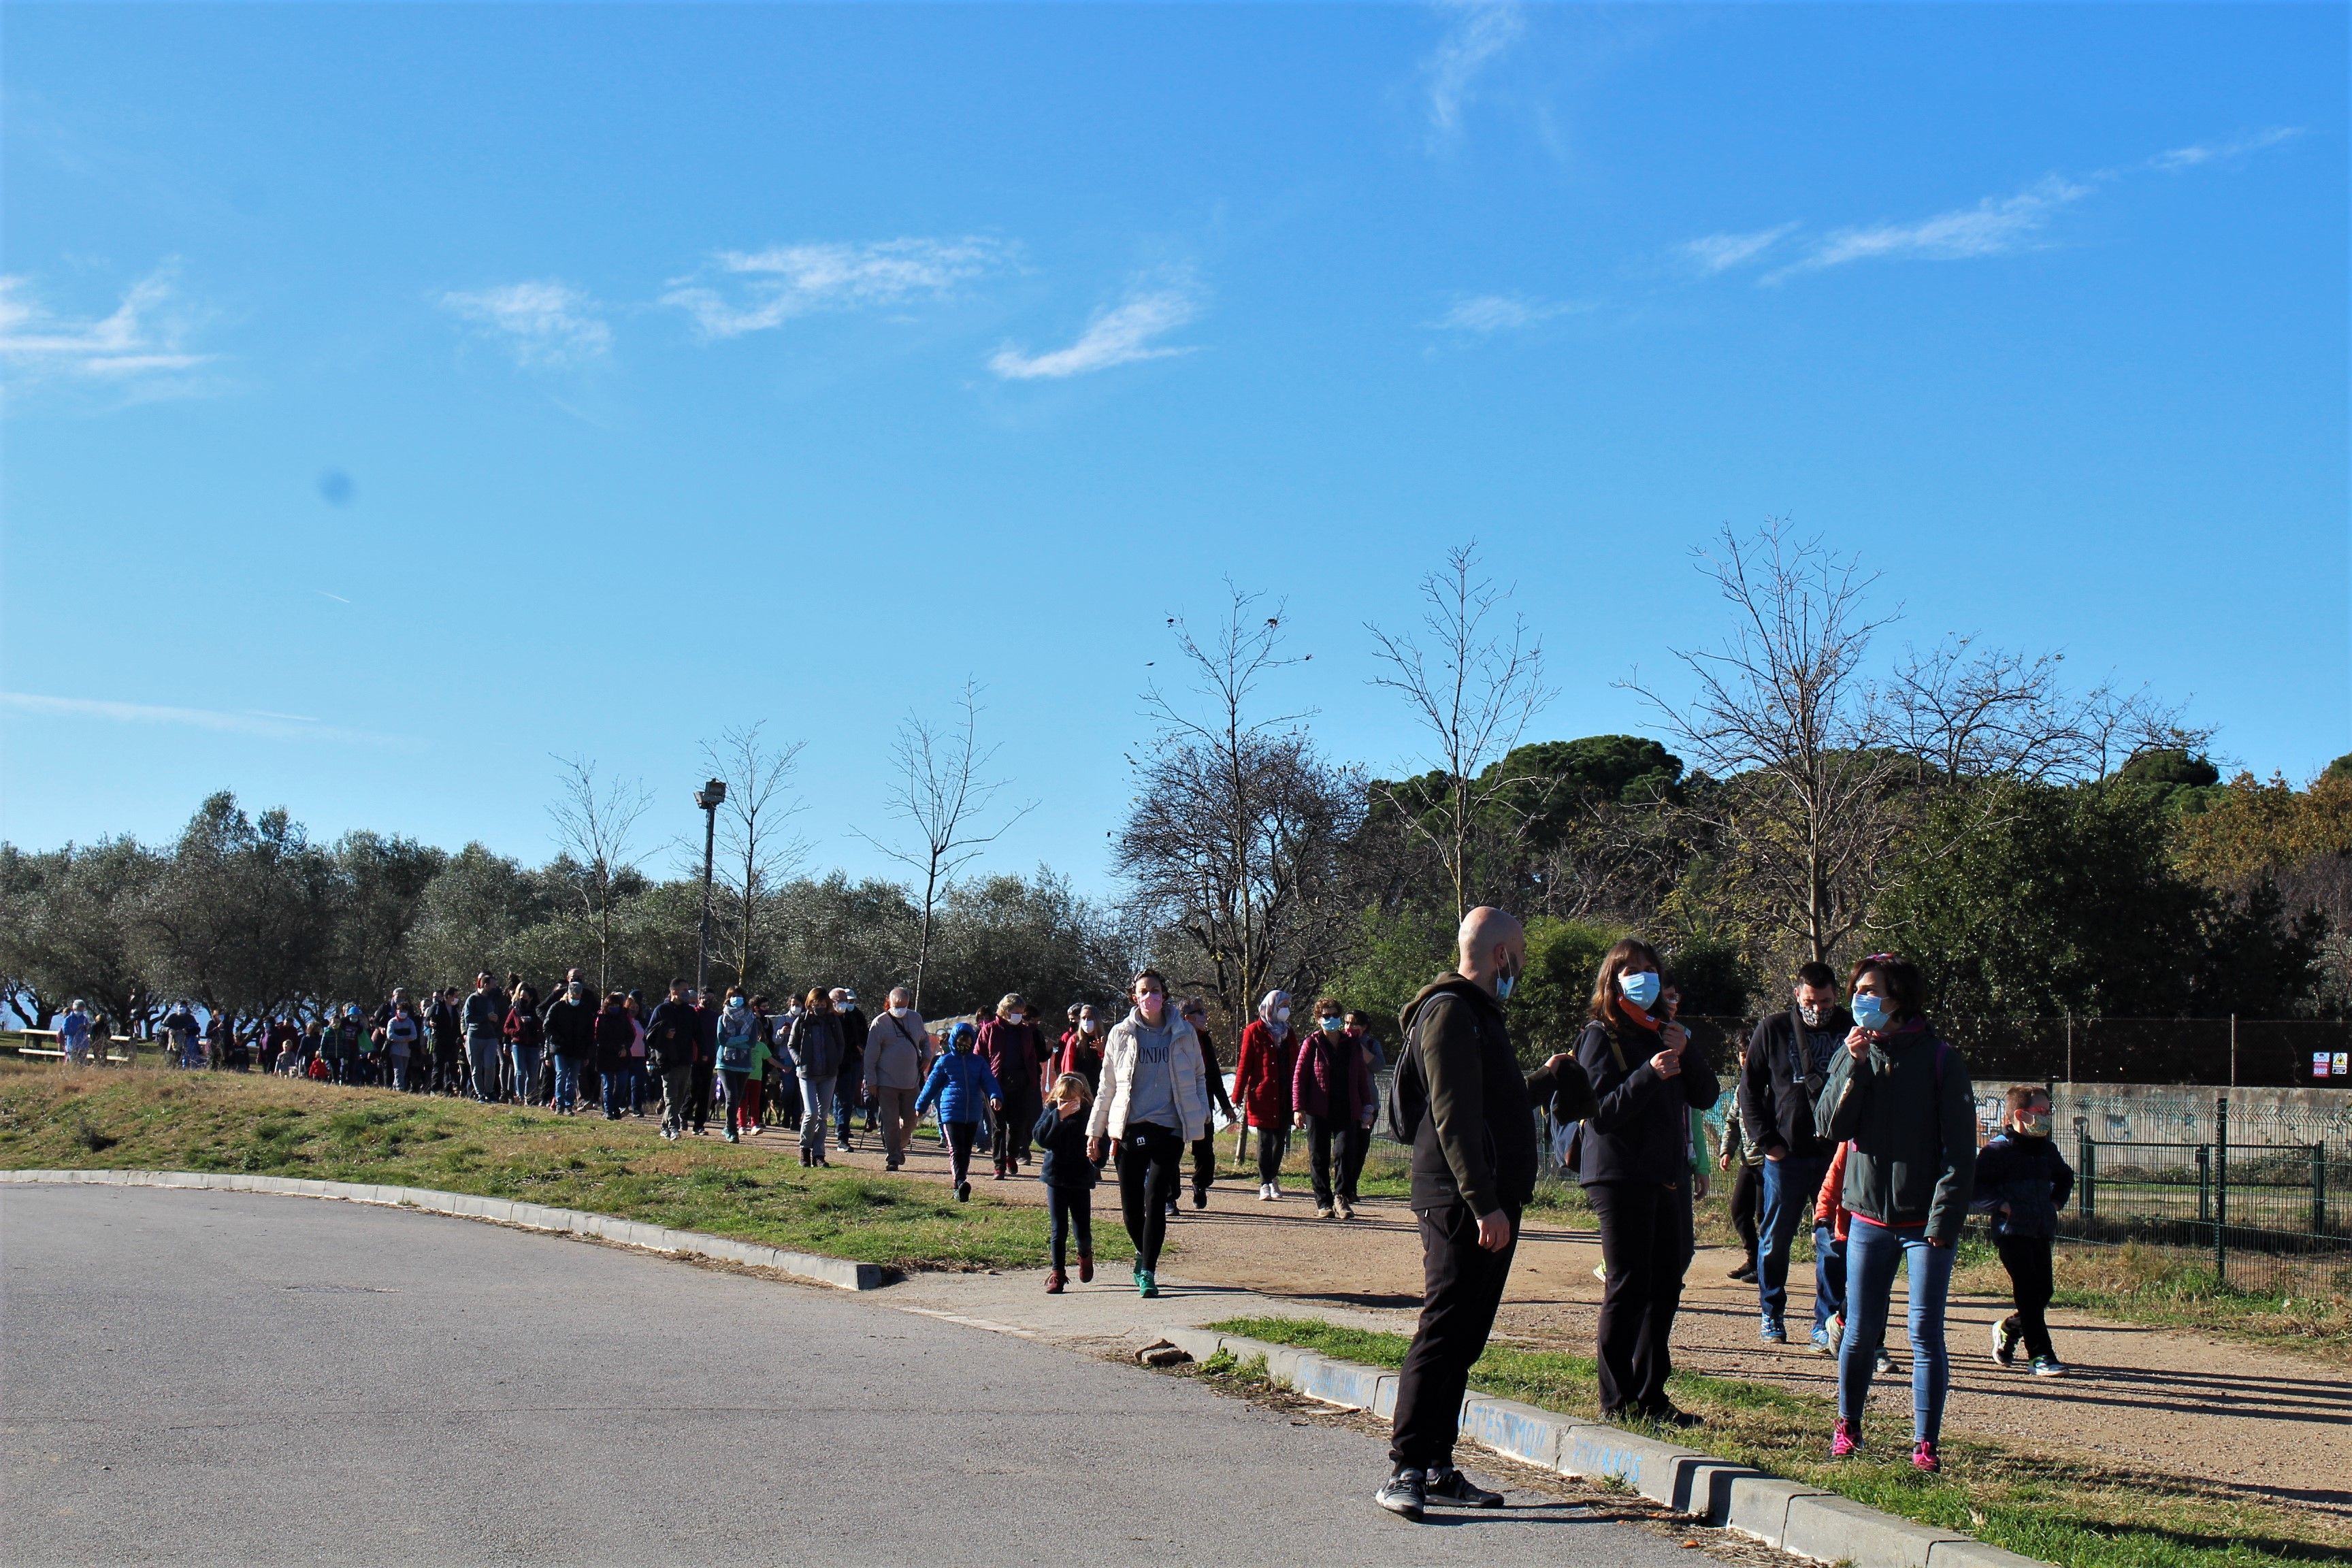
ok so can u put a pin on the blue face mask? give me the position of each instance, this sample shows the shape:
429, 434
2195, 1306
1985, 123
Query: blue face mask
1640, 989
1503, 983
1872, 1013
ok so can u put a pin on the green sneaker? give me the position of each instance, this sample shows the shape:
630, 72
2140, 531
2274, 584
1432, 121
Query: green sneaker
1145, 1285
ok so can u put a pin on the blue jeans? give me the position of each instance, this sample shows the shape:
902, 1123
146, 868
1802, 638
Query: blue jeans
526, 1072
567, 1081
1790, 1188
1829, 1274
816, 1101
617, 1099
1871, 1251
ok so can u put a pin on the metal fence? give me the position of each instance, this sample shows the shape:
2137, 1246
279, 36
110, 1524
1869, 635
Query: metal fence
2270, 1218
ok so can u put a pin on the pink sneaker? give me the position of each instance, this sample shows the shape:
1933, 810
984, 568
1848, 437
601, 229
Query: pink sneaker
1845, 1438
1923, 1456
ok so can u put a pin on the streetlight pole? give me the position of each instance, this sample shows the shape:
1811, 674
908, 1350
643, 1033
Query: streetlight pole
709, 797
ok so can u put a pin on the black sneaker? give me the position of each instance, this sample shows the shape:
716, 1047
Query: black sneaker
1452, 1486
1669, 1416
1404, 1494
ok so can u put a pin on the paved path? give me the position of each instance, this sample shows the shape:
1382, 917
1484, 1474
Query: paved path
206, 1377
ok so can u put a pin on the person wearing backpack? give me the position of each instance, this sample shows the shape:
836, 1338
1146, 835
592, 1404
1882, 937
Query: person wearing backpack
1902, 1096
1634, 1161
2022, 1181
738, 1051
1461, 1102
1786, 1067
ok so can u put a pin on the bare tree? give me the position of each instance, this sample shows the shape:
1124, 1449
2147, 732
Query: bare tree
594, 828
942, 795
1237, 833
1818, 767
1474, 688
754, 828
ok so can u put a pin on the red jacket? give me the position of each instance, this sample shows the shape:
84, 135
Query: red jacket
1828, 1208
1013, 1053
1262, 1077
1332, 1079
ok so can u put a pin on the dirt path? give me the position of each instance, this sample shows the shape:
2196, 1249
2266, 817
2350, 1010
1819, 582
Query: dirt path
2178, 1402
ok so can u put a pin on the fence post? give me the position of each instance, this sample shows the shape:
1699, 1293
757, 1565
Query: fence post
2070, 1050
2233, 1050
2204, 1183
2318, 1191
2089, 1175
2221, 1190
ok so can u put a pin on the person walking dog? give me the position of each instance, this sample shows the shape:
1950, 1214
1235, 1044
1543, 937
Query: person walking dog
1463, 1103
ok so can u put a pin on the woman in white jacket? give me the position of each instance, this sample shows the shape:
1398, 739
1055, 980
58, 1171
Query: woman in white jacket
1153, 1103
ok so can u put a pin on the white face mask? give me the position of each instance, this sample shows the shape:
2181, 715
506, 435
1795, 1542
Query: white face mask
1282, 1015
1013, 1017
900, 1012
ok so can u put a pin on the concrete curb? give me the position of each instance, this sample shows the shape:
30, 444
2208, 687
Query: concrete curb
1801, 1520
837, 1272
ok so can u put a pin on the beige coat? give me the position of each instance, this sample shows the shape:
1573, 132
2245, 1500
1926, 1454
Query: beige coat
1188, 1076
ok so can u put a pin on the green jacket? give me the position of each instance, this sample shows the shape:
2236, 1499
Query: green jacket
1911, 1114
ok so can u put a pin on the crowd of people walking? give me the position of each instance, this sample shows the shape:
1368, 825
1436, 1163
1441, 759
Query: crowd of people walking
1849, 1115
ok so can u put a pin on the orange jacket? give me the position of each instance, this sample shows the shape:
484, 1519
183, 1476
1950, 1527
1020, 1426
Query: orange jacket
1828, 1208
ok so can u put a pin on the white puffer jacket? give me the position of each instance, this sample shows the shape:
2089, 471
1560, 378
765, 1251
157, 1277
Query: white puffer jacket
1187, 1077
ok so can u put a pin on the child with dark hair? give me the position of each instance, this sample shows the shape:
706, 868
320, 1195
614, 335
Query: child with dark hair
2022, 1181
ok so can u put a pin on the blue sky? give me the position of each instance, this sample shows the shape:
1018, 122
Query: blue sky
399, 395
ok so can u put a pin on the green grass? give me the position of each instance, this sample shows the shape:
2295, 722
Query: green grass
152, 1119
2076, 1515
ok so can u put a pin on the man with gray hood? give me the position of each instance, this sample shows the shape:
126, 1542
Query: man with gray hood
1461, 1101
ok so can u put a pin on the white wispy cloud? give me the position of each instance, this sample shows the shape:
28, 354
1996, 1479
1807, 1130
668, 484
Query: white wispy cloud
247, 721
543, 323
1481, 32
140, 344
753, 290
1500, 313
2198, 153
1116, 334
1994, 226
1715, 253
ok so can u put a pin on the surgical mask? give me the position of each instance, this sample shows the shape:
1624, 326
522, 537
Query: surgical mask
1503, 983
1090, 1025
900, 1012
2033, 1126
734, 1003
1872, 1013
1151, 1004
1282, 1015
1640, 988
1812, 1015
1013, 1017
1331, 1025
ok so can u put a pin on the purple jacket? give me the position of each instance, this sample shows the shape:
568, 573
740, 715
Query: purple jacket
1332, 1079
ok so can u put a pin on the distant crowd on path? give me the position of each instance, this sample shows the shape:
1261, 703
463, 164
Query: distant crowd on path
1855, 1114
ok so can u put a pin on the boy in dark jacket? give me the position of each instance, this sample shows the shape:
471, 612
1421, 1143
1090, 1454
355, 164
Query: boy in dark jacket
1069, 1177
2022, 1181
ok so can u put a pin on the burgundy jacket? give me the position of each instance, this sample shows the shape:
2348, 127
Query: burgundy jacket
1332, 1079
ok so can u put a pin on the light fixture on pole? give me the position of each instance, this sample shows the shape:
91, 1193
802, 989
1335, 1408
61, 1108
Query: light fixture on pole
709, 797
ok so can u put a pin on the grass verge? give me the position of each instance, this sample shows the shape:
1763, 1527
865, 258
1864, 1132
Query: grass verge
51, 1118
2075, 1515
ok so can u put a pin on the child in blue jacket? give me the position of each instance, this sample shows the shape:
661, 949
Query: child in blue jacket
963, 1089
2022, 1181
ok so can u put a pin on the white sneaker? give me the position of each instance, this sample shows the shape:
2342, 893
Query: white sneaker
1266, 1192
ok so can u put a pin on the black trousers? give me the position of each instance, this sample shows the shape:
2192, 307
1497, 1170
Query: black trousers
1353, 1139
697, 1095
1462, 1284
1645, 1241
2027, 1259
1204, 1162
1011, 1145
1746, 1203
1073, 1210
1273, 1142
1150, 1169
959, 1135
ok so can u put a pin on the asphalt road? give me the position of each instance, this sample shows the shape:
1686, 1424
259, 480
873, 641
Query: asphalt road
209, 1377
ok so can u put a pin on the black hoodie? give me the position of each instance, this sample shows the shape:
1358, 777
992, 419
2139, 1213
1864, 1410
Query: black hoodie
1475, 1144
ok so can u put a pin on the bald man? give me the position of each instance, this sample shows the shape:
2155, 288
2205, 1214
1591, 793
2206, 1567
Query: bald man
1471, 1112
